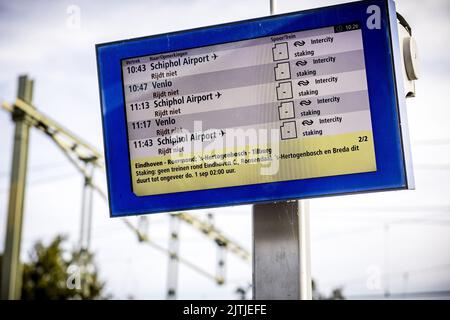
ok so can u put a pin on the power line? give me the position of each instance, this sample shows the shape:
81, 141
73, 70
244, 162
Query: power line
399, 273
212, 232
82, 154
46, 180
39, 168
427, 166
397, 295
145, 239
432, 142
409, 209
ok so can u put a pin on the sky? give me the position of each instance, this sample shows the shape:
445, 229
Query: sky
363, 243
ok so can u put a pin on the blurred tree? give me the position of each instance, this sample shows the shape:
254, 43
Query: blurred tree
336, 293
54, 274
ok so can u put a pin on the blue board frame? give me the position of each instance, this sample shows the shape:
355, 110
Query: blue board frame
385, 88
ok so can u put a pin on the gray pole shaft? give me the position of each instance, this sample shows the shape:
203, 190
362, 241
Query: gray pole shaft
173, 263
86, 209
11, 268
281, 247
273, 7
305, 250
281, 258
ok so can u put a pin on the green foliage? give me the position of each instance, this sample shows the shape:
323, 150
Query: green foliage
336, 294
54, 274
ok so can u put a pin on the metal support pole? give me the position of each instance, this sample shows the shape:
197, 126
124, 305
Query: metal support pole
86, 209
143, 225
386, 262
305, 250
281, 247
11, 269
172, 270
273, 7
281, 258
221, 263
221, 255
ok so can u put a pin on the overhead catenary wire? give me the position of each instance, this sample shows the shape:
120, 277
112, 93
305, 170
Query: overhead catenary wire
65, 138
404, 295
427, 269
39, 168
46, 180
365, 209
145, 239
432, 142
81, 153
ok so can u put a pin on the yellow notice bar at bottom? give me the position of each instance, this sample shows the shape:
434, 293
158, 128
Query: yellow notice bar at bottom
297, 159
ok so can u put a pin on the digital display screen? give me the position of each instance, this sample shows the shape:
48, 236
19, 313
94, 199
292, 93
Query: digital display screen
276, 108
293, 106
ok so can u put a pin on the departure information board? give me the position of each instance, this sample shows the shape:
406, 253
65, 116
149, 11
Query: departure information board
309, 87
275, 108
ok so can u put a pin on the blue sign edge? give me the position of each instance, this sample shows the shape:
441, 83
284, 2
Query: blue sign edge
391, 168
